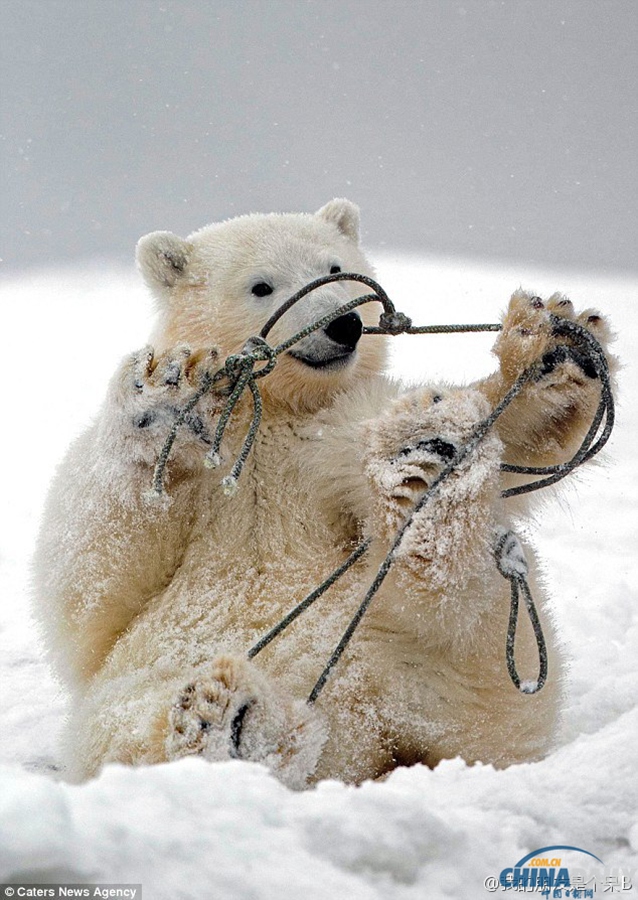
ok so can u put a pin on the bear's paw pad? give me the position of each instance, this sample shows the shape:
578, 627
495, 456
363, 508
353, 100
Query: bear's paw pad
209, 714
529, 336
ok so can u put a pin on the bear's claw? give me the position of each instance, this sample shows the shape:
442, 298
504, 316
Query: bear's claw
150, 392
236, 728
528, 335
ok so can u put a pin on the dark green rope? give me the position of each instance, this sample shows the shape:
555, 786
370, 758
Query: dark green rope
511, 563
589, 445
378, 294
310, 599
436, 329
586, 451
477, 435
240, 371
526, 687
158, 475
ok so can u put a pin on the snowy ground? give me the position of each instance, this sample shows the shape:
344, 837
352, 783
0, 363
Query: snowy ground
230, 831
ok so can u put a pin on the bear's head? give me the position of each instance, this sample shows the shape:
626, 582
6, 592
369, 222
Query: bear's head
219, 287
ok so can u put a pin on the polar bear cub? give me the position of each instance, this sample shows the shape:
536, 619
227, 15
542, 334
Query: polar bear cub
149, 608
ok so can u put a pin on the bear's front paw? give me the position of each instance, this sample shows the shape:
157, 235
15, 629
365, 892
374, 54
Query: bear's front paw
529, 336
415, 441
556, 408
233, 712
149, 392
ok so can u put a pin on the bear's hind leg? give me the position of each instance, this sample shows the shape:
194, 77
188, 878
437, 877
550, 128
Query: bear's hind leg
233, 711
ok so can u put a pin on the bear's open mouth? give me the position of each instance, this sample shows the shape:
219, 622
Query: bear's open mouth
337, 360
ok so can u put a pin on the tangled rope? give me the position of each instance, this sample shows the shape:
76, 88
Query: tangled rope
239, 369
241, 372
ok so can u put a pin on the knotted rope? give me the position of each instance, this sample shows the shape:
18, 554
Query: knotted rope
240, 371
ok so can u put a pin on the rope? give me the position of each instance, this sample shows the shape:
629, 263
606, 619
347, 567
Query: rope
511, 563
435, 329
158, 475
239, 370
378, 294
518, 580
310, 599
589, 447
477, 435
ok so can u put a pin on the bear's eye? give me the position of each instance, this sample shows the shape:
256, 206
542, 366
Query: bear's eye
261, 289
334, 269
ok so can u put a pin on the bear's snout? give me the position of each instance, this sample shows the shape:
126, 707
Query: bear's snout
332, 347
346, 330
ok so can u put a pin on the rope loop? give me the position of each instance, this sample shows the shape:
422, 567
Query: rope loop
242, 364
511, 563
240, 370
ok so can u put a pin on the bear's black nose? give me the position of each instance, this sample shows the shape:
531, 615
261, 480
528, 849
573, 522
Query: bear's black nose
346, 330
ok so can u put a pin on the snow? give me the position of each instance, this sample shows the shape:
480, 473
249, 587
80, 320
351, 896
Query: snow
191, 829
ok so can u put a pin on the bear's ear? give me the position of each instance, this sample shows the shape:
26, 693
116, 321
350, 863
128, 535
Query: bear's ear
162, 258
343, 214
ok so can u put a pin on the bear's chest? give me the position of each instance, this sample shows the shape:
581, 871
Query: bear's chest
251, 557
275, 517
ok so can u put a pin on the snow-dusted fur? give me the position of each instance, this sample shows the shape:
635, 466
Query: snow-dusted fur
149, 607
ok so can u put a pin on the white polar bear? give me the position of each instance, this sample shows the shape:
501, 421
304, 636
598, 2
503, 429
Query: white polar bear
149, 608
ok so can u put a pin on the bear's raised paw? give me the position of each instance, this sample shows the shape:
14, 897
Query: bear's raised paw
528, 336
148, 393
545, 424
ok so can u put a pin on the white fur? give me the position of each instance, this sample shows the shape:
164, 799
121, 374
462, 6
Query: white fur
149, 608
